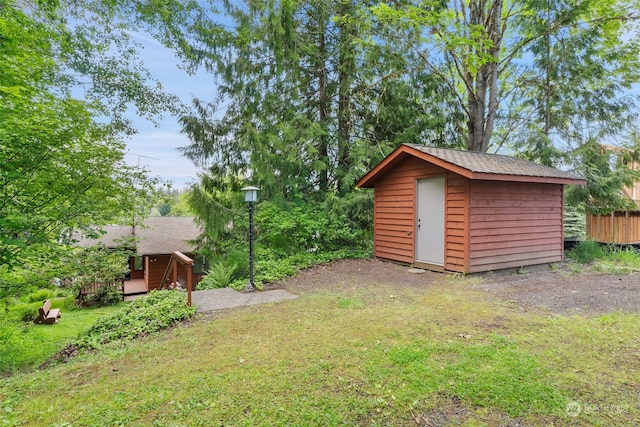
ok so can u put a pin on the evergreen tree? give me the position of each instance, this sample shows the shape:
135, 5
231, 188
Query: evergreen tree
579, 84
308, 103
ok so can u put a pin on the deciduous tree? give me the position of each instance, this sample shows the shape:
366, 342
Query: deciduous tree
60, 168
510, 63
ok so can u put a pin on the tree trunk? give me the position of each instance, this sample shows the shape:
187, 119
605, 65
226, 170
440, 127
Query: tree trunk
482, 85
323, 151
495, 35
346, 67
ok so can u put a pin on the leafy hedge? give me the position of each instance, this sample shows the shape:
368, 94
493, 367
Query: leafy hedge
150, 313
293, 228
290, 236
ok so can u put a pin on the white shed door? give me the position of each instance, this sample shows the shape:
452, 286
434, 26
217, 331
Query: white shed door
430, 221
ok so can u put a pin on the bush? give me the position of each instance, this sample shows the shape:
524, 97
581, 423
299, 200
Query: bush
239, 258
108, 295
10, 339
104, 295
294, 235
28, 313
312, 228
150, 313
586, 251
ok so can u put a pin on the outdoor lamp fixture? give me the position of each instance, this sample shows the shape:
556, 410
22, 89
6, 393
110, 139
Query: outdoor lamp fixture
250, 196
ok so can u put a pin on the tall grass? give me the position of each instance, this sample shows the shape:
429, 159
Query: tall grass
606, 258
586, 251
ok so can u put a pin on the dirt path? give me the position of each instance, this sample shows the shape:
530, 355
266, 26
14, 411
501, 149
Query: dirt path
563, 289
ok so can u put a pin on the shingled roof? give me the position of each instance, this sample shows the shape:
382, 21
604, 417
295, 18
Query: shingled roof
157, 235
473, 165
165, 234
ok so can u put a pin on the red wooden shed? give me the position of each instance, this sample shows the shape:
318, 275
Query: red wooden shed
466, 211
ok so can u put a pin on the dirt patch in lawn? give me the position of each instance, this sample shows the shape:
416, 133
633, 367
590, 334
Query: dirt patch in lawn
563, 289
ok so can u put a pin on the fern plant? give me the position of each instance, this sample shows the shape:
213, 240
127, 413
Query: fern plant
220, 275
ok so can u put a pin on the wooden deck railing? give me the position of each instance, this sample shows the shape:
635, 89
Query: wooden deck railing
172, 267
89, 291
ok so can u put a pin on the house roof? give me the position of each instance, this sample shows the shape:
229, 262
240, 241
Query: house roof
472, 165
115, 235
165, 234
157, 235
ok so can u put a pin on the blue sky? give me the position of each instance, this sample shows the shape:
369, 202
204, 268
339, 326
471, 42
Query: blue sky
156, 148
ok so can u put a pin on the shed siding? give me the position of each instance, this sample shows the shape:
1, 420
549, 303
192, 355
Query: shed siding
457, 223
394, 209
514, 224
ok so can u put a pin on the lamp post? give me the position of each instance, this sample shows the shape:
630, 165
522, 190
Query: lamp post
250, 196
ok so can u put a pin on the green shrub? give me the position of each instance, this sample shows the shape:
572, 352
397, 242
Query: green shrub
96, 266
322, 227
294, 235
104, 295
220, 275
239, 258
28, 313
586, 251
41, 295
108, 295
10, 340
150, 313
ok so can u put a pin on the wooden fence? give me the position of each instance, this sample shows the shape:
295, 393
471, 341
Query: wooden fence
620, 227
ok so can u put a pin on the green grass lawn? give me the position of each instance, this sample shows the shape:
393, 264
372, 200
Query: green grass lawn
442, 355
26, 346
